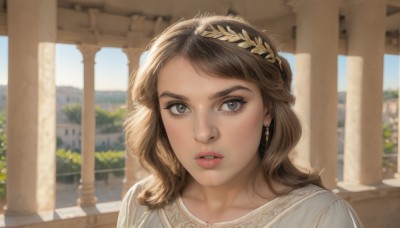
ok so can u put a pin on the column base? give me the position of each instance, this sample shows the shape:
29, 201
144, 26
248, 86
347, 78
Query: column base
397, 175
86, 196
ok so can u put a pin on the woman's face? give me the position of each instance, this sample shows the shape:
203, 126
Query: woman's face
214, 125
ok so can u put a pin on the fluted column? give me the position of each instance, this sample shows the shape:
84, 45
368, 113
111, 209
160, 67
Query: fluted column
86, 187
315, 84
131, 163
32, 29
363, 127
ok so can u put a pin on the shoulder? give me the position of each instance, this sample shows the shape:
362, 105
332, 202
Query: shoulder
131, 210
134, 191
326, 209
313, 206
338, 212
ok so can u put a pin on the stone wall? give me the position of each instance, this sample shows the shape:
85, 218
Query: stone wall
377, 206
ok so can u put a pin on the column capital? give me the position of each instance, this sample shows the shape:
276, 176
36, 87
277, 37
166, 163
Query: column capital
132, 52
88, 51
133, 55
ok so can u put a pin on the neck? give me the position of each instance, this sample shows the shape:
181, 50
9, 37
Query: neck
241, 191
226, 202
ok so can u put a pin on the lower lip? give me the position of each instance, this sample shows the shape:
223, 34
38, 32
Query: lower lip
208, 163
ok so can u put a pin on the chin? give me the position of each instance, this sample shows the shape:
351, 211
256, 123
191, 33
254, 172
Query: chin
213, 180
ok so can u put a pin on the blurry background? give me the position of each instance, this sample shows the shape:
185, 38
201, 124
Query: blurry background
64, 94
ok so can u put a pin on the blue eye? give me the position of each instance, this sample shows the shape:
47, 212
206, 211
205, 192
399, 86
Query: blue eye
178, 109
232, 105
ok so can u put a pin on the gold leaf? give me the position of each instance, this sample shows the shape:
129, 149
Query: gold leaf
258, 46
244, 44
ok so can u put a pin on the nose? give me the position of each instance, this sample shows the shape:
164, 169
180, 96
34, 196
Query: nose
204, 130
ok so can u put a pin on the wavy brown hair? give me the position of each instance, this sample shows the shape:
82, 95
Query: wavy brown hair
146, 136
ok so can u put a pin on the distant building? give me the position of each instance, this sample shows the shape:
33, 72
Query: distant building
389, 112
66, 95
108, 140
69, 136
3, 98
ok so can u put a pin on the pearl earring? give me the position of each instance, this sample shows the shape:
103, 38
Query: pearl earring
266, 134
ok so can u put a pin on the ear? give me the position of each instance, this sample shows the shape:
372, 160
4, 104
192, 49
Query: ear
267, 118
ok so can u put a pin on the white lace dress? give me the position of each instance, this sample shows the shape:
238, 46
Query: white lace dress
310, 206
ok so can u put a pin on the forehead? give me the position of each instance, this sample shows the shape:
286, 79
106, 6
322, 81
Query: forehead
179, 75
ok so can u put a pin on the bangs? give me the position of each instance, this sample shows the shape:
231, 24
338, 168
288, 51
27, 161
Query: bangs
222, 59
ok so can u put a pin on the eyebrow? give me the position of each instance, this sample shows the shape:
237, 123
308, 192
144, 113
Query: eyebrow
214, 96
228, 91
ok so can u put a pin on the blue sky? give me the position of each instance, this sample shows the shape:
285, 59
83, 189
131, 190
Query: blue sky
112, 68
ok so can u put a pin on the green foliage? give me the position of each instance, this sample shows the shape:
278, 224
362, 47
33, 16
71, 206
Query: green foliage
109, 160
69, 164
59, 142
110, 97
3, 137
106, 121
110, 121
3, 153
390, 94
119, 115
389, 148
388, 142
116, 146
3, 178
74, 113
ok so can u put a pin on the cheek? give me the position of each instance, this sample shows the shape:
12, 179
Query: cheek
245, 132
178, 133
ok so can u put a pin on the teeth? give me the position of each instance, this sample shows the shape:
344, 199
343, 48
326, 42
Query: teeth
209, 157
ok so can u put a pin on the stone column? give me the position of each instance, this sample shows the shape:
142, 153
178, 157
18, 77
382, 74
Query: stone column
86, 187
315, 84
397, 174
133, 55
363, 127
31, 138
131, 164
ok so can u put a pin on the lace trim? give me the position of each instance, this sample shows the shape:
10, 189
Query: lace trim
177, 215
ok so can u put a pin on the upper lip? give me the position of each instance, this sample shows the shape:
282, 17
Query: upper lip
208, 153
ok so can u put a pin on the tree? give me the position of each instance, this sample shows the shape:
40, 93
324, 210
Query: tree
3, 152
74, 113
106, 121
110, 121
388, 142
390, 94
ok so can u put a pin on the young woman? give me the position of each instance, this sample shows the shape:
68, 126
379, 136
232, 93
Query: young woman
214, 126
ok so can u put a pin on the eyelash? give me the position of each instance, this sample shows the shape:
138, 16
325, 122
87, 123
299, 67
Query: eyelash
172, 104
239, 100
